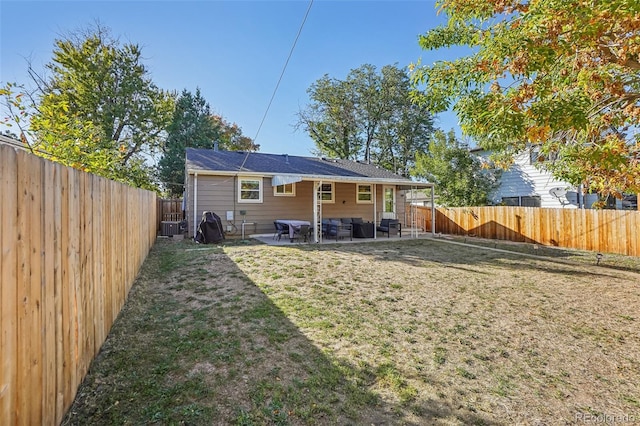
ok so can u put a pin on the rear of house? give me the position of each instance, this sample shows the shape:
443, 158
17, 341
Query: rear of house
256, 189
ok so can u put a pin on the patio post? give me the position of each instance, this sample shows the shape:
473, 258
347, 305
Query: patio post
375, 218
433, 214
195, 204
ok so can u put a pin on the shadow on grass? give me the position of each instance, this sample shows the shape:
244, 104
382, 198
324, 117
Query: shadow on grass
198, 342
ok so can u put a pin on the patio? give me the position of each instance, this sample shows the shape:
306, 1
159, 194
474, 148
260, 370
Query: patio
407, 234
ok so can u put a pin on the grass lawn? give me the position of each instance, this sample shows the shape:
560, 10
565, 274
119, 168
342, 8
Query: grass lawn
403, 332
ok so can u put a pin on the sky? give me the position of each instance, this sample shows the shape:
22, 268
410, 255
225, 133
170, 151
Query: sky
235, 51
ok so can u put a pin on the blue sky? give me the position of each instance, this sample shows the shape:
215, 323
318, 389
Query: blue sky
234, 51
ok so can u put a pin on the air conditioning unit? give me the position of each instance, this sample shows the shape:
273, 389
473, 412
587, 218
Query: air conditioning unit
169, 228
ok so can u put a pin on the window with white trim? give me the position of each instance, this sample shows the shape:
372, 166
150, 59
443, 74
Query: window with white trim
364, 194
249, 190
286, 190
325, 193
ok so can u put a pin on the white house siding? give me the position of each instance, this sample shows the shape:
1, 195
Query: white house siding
523, 179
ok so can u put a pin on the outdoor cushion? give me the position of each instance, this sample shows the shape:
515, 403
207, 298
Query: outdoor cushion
356, 220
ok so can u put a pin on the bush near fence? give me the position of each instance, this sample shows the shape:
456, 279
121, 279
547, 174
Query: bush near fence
607, 231
72, 245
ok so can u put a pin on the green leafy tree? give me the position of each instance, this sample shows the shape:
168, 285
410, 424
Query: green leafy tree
99, 110
406, 127
563, 75
193, 126
330, 120
231, 137
368, 116
460, 178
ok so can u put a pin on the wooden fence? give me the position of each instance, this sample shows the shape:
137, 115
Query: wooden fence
169, 210
72, 245
610, 231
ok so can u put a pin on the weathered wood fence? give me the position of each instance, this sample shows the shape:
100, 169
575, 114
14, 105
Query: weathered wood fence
72, 245
610, 231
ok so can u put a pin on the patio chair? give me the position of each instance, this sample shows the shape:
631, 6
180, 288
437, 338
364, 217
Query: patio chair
281, 228
303, 232
337, 229
390, 226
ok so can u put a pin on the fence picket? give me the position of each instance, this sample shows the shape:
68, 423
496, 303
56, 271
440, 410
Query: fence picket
9, 288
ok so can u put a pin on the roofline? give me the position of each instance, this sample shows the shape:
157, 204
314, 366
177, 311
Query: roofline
307, 177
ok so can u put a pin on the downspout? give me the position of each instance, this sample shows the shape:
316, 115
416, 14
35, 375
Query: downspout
195, 204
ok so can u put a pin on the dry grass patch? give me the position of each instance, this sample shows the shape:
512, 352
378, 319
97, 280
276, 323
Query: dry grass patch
410, 332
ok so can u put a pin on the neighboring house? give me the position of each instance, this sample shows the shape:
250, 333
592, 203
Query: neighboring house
525, 185
420, 198
259, 188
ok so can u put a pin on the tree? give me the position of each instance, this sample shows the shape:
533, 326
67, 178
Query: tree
563, 75
405, 132
193, 126
368, 116
231, 137
99, 111
460, 178
330, 119
16, 111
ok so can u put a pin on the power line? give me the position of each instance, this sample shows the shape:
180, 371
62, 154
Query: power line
284, 68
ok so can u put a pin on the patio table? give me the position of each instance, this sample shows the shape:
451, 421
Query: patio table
293, 225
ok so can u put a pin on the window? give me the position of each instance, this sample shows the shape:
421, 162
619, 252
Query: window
249, 190
389, 193
525, 201
325, 193
286, 190
511, 201
364, 194
533, 201
534, 154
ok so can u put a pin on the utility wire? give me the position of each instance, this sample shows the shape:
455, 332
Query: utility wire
284, 68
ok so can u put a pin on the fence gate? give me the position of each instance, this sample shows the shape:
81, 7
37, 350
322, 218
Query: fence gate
170, 214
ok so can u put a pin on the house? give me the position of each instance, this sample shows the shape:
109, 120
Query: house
256, 189
525, 185
420, 198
